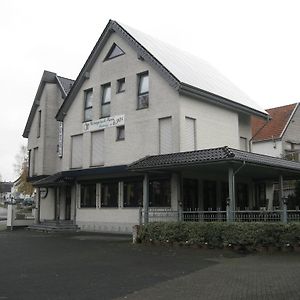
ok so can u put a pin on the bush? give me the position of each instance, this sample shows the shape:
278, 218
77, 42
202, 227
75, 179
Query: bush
219, 235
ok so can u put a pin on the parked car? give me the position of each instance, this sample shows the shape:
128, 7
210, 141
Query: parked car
28, 202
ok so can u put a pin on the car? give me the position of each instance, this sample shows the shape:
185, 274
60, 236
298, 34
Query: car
28, 202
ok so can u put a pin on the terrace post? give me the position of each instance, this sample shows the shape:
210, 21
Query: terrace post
283, 201
231, 189
146, 198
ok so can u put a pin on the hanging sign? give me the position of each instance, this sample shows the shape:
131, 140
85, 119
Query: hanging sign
104, 123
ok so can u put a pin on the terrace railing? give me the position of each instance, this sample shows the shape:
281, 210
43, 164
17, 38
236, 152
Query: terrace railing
167, 215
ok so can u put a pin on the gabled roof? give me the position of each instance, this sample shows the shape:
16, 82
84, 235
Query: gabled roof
64, 85
207, 156
184, 72
274, 128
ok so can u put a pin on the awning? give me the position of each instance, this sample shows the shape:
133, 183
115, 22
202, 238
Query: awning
68, 177
217, 159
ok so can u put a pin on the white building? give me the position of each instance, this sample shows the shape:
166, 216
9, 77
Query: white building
118, 138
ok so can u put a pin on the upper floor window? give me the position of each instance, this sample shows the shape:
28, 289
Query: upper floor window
39, 123
243, 144
113, 52
105, 101
121, 85
88, 105
121, 133
143, 90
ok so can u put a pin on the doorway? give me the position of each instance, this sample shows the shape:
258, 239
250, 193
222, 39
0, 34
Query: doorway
68, 203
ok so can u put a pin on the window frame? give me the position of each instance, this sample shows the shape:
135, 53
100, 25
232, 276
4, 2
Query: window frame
115, 204
103, 87
38, 134
111, 49
121, 82
118, 128
86, 108
137, 202
82, 185
142, 94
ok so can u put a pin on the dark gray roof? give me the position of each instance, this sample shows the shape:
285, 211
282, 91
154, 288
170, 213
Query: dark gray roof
65, 83
198, 157
66, 177
152, 57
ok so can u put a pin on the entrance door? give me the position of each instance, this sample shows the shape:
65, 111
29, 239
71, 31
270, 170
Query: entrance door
68, 203
190, 194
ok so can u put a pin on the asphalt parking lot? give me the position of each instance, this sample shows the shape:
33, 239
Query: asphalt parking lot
92, 266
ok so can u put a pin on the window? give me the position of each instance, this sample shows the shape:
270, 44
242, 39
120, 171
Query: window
143, 90
133, 193
113, 52
190, 134
242, 201
29, 172
39, 123
35, 161
121, 133
209, 195
159, 192
106, 96
88, 105
243, 144
88, 195
121, 85
109, 194
76, 152
165, 135
97, 153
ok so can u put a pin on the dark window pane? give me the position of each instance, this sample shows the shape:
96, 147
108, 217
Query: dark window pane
133, 194
159, 193
106, 94
210, 195
121, 85
120, 133
88, 195
109, 194
88, 114
144, 84
143, 101
114, 52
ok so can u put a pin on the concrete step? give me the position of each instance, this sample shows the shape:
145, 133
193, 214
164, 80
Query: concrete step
54, 227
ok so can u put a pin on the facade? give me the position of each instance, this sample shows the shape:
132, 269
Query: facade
279, 137
136, 98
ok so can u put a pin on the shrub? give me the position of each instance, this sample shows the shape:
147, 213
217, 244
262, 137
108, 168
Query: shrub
218, 234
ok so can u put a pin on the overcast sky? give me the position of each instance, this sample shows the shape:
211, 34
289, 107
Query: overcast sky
255, 44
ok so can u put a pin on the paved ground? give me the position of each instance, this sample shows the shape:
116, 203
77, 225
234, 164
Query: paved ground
90, 266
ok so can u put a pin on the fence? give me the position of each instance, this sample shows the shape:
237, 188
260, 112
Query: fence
167, 215
19, 216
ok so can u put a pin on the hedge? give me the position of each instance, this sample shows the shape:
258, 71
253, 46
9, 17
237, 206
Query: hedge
220, 235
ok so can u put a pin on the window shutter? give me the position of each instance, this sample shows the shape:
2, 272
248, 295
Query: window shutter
165, 136
190, 135
97, 148
76, 151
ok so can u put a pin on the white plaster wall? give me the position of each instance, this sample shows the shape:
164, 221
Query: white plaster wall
215, 126
48, 161
141, 126
272, 148
245, 127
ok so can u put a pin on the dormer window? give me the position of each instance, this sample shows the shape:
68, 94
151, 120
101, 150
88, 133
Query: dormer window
88, 105
143, 90
105, 101
114, 51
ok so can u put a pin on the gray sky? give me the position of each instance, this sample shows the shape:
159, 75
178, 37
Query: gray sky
254, 43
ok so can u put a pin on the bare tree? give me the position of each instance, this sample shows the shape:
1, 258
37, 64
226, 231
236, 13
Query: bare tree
21, 170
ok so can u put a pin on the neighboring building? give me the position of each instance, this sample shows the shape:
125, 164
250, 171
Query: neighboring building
5, 190
279, 137
144, 124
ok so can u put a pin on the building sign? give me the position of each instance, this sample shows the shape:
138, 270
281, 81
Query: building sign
60, 139
104, 123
